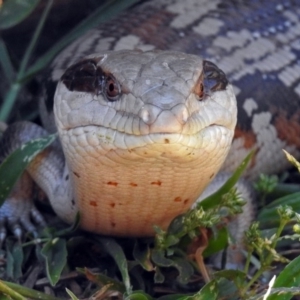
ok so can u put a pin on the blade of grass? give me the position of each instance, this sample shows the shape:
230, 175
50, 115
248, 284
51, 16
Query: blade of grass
14, 90
26, 292
102, 14
5, 62
33, 40
13, 12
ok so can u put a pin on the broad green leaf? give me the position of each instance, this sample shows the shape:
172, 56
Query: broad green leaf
114, 249
184, 268
236, 276
288, 277
159, 258
276, 293
227, 289
217, 243
138, 295
55, 254
15, 164
216, 197
13, 12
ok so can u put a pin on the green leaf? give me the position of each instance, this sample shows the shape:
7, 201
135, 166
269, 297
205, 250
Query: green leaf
215, 198
15, 258
182, 265
184, 268
55, 253
114, 249
15, 164
288, 277
73, 297
268, 216
208, 292
102, 14
159, 276
8, 69
26, 292
236, 276
217, 242
138, 295
159, 258
13, 12
103, 280
142, 256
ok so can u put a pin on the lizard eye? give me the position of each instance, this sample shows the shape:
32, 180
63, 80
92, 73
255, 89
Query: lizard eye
199, 90
111, 89
211, 80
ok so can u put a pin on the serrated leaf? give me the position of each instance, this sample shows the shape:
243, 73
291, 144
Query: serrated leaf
13, 12
15, 164
114, 249
55, 254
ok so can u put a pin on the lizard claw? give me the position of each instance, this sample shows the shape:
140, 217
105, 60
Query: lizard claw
18, 213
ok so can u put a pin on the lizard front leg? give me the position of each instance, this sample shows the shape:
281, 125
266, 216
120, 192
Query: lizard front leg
47, 169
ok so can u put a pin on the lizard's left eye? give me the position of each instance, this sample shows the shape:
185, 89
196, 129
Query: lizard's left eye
111, 89
211, 80
199, 90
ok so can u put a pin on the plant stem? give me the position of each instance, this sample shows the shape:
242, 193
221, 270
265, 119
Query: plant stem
33, 41
9, 101
10, 292
267, 260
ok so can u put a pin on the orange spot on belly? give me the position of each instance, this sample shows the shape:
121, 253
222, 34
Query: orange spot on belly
112, 183
112, 204
133, 184
158, 182
93, 203
177, 199
186, 201
113, 224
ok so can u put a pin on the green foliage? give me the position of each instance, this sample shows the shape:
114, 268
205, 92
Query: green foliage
15, 164
170, 250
